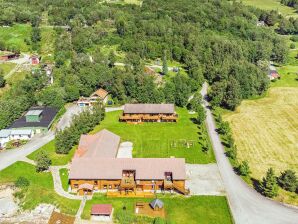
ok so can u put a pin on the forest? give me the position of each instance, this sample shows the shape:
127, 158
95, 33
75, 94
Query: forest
217, 41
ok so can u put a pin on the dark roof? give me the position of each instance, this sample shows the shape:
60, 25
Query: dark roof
101, 209
149, 108
48, 115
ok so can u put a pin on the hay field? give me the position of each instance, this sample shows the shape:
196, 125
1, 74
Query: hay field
266, 131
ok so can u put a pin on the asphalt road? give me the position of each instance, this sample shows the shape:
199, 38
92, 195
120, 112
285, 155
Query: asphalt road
9, 157
247, 206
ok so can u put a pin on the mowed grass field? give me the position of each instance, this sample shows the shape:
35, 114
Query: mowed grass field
266, 131
181, 139
272, 5
191, 210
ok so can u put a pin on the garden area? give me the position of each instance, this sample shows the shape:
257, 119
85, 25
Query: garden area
195, 209
183, 139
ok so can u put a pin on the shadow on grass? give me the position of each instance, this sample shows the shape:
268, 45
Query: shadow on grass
257, 185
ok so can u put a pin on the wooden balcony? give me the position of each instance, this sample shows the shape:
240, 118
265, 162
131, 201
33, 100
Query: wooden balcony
168, 184
127, 183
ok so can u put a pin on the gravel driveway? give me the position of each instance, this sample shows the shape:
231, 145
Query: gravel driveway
204, 179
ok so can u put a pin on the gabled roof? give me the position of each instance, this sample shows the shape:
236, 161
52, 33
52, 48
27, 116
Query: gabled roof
103, 144
149, 108
101, 209
101, 93
111, 168
156, 203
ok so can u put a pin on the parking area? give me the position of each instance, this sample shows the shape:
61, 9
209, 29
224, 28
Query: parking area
204, 179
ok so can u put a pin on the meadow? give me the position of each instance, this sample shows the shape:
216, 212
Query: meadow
266, 133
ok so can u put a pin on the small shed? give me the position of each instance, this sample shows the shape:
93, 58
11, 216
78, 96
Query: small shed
101, 212
156, 204
4, 137
33, 116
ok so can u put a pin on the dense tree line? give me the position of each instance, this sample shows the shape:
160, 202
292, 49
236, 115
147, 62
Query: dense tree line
81, 124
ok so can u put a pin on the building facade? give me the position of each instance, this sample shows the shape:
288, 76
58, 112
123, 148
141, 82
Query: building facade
95, 168
149, 113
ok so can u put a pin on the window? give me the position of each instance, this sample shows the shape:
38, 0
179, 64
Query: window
76, 185
95, 182
110, 186
105, 186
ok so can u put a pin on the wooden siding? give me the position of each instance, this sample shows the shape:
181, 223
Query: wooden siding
140, 185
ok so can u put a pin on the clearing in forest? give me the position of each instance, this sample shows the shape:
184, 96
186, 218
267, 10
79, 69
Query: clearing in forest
272, 5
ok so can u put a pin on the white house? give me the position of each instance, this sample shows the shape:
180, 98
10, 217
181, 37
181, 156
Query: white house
4, 137
21, 134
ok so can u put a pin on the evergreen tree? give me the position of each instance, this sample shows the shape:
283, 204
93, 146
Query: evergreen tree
269, 185
201, 114
2, 80
288, 180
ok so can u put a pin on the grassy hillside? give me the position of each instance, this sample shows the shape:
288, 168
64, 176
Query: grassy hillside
16, 35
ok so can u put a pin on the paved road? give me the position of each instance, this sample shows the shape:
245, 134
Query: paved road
11, 156
247, 206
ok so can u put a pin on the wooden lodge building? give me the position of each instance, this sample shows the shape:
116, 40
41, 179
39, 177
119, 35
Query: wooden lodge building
149, 113
96, 168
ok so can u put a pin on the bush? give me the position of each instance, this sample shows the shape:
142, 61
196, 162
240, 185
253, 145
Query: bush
43, 161
224, 128
159, 221
22, 182
288, 180
292, 46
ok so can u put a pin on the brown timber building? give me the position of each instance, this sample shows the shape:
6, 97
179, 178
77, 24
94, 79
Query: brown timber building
95, 168
149, 113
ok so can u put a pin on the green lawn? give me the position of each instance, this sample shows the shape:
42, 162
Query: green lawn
7, 67
15, 36
64, 178
195, 209
41, 189
272, 5
160, 139
57, 159
48, 36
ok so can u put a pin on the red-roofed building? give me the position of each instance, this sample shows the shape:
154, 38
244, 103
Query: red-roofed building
101, 212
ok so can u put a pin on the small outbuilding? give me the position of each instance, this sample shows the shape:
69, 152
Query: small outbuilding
156, 204
101, 212
21, 134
